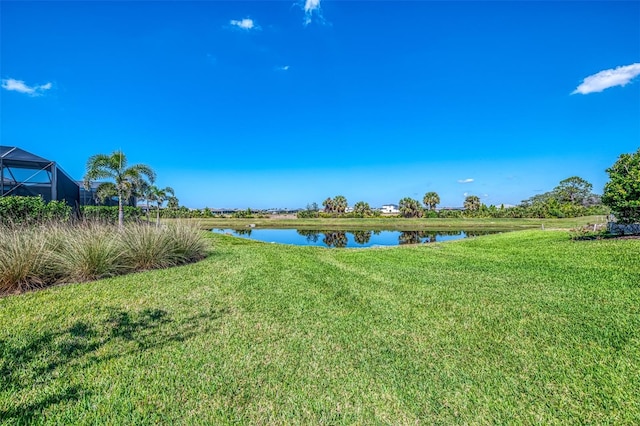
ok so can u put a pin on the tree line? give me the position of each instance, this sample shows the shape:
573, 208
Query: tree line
572, 197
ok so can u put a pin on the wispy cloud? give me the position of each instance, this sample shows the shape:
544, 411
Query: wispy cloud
311, 8
469, 180
245, 24
598, 82
21, 87
283, 68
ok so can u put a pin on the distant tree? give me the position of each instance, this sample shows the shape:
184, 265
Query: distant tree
362, 208
173, 203
431, 200
125, 179
144, 192
313, 207
329, 205
410, 207
159, 196
622, 192
340, 203
574, 190
472, 203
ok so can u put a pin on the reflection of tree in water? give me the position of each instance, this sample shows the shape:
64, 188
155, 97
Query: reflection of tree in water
361, 237
246, 232
479, 233
335, 239
311, 236
410, 237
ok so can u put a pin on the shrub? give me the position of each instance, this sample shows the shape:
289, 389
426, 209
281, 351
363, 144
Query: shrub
32, 210
110, 213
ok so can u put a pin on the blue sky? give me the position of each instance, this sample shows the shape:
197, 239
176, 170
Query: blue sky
283, 103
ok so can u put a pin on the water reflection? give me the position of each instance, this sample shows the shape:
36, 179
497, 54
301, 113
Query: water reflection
340, 239
362, 237
335, 239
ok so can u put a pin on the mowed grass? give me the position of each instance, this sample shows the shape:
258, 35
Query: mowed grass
526, 327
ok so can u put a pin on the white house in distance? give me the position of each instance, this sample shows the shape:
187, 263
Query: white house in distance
389, 208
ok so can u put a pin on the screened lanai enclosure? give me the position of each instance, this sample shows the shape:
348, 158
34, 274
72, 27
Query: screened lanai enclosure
25, 174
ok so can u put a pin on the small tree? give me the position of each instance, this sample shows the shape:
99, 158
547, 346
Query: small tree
125, 179
160, 196
622, 192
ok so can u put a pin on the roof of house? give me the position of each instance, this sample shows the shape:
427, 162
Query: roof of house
21, 157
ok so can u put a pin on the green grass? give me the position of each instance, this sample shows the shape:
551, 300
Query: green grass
525, 327
400, 224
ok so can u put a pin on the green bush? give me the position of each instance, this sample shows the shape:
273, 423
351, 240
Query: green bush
110, 213
32, 210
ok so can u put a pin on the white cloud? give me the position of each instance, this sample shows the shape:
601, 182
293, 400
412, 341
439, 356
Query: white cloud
284, 68
310, 8
245, 24
619, 76
465, 180
21, 87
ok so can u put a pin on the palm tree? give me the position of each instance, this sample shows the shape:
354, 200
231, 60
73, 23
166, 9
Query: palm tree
174, 203
125, 180
144, 191
329, 205
340, 203
431, 200
410, 207
160, 196
362, 209
472, 203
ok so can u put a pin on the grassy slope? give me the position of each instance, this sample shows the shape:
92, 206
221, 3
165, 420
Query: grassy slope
524, 327
395, 223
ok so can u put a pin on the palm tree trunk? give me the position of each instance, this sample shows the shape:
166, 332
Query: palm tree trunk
120, 213
158, 216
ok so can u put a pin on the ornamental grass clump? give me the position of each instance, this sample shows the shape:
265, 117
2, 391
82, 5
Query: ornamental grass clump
187, 242
146, 247
38, 256
88, 251
25, 258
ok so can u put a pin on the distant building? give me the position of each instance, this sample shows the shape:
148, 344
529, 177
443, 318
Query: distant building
390, 208
25, 174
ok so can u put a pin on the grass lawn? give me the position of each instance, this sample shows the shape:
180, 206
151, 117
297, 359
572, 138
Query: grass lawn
398, 224
523, 327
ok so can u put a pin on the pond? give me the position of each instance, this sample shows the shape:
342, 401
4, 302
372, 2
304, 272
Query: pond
349, 239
